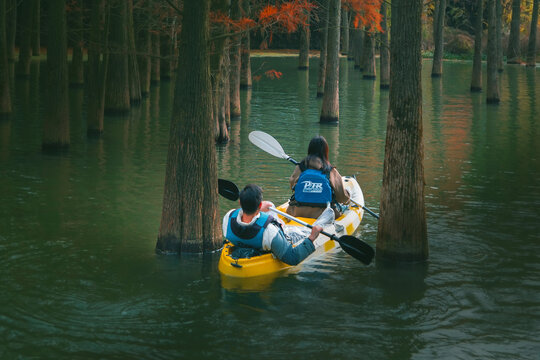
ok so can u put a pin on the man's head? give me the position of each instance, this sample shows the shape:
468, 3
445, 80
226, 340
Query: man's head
250, 198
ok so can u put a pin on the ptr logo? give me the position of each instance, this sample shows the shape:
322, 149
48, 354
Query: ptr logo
312, 187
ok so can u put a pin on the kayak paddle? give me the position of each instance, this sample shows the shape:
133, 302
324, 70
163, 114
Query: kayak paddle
350, 244
267, 143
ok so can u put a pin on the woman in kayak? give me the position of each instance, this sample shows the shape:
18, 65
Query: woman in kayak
316, 183
251, 226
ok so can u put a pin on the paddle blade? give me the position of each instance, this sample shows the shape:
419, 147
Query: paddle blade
228, 189
267, 143
357, 248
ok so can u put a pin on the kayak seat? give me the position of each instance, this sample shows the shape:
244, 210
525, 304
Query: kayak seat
238, 252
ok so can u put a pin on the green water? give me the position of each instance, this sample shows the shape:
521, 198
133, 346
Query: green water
79, 277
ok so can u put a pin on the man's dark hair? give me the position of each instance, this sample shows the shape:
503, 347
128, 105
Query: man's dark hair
250, 198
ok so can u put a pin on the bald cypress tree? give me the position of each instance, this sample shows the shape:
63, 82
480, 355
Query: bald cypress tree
531, 48
402, 232
476, 80
5, 96
330, 103
513, 53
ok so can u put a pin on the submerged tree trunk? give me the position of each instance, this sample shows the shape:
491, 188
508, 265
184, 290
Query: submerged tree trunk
492, 55
97, 68
402, 231
11, 26
56, 124
117, 97
513, 53
303, 57
25, 39
36, 27
498, 27
358, 44
476, 80
135, 95
369, 51
344, 32
438, 38
330, 103
76, 75
5, 96
384, 49
236, 64
189, 221
323, 35
531, 48
144, 46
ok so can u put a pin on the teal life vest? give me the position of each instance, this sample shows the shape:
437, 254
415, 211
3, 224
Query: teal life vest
247, 236
313, 189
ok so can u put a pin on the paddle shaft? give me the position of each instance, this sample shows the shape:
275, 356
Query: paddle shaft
290, 217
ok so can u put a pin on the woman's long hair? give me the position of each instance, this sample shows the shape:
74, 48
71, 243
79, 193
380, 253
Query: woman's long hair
318, 147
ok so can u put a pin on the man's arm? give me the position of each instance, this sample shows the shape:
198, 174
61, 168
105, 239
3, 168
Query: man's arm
285, 252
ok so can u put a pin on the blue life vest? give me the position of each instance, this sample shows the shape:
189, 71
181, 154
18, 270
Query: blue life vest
247, 236
313, 189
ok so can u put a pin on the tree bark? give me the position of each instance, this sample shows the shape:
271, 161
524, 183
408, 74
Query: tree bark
492, 55
236, 64
144, 46
117, 93
402, 230
323, 34
36, 27
189, 221
513, 52
25, 39
246, 81
498, 27
531, 48
476, 80
303, 56
76, 72
344, 32
384, 49
97, 68
5, 96
11, 29
438, 38
56, 124
369, 51
330, 103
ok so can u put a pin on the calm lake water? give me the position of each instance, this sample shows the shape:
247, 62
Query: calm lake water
79, 277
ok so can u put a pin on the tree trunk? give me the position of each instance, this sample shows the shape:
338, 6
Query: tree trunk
384, 49
156, 59
402, 231
323, 34
531, 49
117, 95
236, 64
492, 55
369, 51
5, 96
358, 49
344, 32
144, 47
350, 54
56, 124
135, 95
165, 70
245, 72
513, 52
25, 39
11, 29
76, 75
438, 38
330, 103
498, 27
189, 221
36, 27
303, 57
97, 68
476, 81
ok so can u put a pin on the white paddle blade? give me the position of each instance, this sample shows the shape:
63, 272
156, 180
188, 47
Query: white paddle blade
267, 143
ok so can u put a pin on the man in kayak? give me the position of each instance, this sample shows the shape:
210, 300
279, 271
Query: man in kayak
253, 227
316, 183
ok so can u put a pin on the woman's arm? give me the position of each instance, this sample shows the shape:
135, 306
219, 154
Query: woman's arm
342, 195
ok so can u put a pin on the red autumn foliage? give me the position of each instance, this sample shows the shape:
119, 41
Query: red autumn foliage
366, 13
273, 74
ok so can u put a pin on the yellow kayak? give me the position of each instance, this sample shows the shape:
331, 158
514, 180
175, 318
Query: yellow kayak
258, 270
